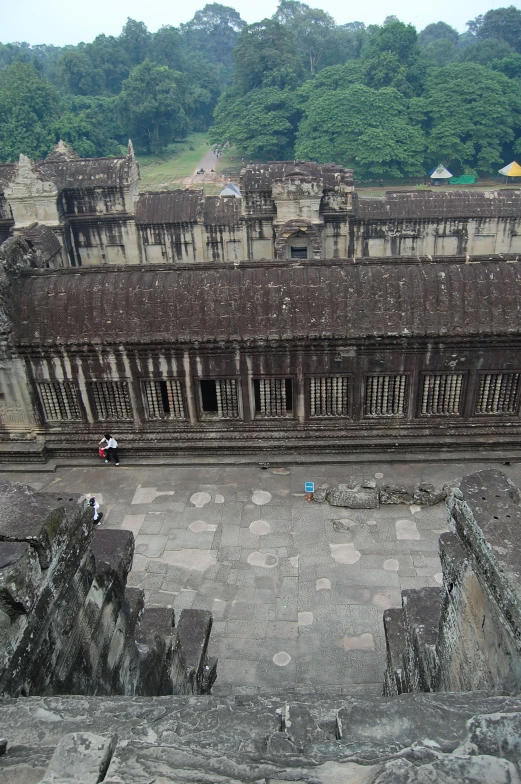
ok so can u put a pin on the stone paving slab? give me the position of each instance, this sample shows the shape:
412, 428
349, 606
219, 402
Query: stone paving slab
297, 589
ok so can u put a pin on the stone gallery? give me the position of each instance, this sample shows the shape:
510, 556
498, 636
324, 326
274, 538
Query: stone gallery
299, 316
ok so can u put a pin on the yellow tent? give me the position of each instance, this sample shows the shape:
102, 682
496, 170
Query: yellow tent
512, 170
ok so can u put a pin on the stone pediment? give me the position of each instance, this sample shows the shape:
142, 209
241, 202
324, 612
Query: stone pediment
29, 181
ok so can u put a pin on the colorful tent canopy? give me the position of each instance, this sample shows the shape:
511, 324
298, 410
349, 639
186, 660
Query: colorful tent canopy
440, 173
512, 170
231, 190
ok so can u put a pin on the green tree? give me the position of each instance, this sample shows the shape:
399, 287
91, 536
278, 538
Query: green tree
472, 112
501, 23
262, 123
108, 57
151, 106
213, 32
166, 48
367, 129
510, 66
78, 75
392, 58
90, 126
135, 41
440, 53
313, 30
266, 56
29, 106
202, 90
484, 52
334, 77
439, 31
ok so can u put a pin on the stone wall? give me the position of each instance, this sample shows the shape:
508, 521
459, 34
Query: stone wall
68, 622
465, 636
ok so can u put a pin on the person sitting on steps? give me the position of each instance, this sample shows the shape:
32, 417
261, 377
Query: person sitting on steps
110, 445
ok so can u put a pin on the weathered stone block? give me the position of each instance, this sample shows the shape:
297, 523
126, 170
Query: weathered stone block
353, 498
427, 495
421, 609
20, 576
113, 550
395, 642
80, 758
320, 495
395, 494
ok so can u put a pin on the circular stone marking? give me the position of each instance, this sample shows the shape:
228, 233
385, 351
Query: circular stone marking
219, 499
260, 527
261, 497
345, 553
305, 618
439, 578
199, 525
200, 499
391, 565
378, 475
266, 560
323, 584
281, 659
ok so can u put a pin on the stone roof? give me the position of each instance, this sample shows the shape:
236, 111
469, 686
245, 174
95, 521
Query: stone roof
259, 176
78, 173
222, 210
42, 238
439, 204
267, 301
62, 152
180, 206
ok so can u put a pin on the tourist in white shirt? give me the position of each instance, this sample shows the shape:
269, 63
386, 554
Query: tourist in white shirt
110, 445
96, 517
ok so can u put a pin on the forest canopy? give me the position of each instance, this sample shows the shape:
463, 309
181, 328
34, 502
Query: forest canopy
386, 100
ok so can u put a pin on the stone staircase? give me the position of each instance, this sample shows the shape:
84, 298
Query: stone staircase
318, 738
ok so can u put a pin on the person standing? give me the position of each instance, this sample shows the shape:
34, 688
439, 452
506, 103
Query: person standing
96, 516
110, 445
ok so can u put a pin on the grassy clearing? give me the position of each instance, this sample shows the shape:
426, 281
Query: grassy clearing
177, 162
232, 161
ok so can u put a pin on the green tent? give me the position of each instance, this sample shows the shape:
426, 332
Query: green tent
465, 179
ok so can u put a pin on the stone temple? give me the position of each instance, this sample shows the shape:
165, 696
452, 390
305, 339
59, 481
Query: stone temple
300, 317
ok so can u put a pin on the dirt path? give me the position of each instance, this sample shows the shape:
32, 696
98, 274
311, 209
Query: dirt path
207, 162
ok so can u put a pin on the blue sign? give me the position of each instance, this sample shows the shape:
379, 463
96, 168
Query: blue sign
309, 487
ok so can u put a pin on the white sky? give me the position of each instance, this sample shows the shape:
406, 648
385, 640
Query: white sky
63, 22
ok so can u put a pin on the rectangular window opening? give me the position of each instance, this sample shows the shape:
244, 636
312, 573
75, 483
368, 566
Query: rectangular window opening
111, 400
209, 396
163, 399
442, 394
385, 396
219, 398
328, 396
273, 397
59, 401
498, 393
298, 252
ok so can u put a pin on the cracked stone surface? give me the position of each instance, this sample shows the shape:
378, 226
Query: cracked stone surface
196, 531
319, 737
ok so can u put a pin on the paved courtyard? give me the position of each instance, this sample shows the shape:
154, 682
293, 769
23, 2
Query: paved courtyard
297, 589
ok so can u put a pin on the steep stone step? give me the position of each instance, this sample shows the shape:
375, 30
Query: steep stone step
312, 738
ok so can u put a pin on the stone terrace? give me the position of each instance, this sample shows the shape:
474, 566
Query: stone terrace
297, 589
